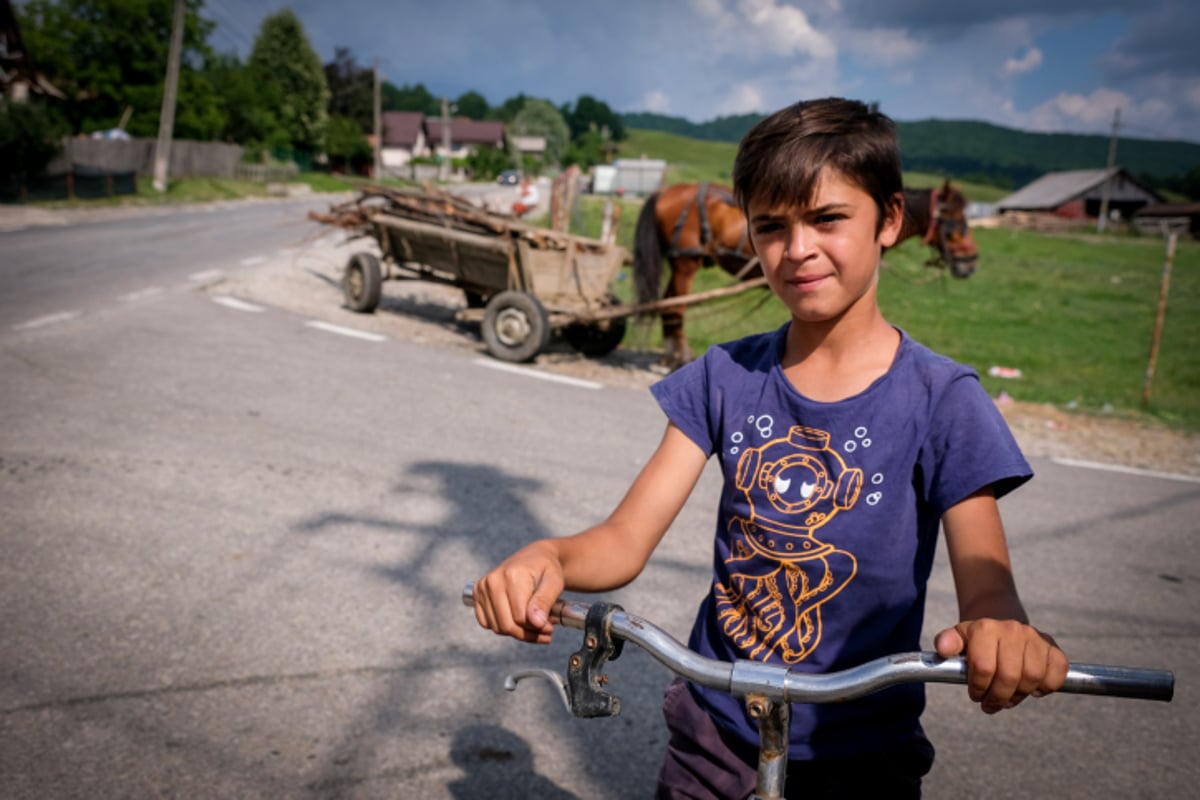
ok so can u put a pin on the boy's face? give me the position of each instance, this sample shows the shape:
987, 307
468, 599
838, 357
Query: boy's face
821, 260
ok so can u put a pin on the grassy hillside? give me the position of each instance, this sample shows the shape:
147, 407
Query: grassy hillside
690, 160
978, 151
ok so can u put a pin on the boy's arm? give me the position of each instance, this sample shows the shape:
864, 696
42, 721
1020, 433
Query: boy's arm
1007, 659
514, 598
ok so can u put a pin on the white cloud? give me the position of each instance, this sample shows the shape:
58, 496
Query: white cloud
656, 101
1070, 111
1026, 63
882, 46
751, 27
745, 98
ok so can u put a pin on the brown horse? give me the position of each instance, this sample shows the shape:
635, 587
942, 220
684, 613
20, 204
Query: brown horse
694, 225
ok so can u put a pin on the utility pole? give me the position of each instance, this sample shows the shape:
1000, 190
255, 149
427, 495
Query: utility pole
166, 119
1112, 160
378, 174
444, 172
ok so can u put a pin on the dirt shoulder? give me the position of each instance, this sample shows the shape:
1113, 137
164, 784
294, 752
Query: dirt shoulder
308, 282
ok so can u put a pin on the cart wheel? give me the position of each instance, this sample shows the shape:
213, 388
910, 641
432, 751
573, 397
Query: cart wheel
362, 282
515, 326
598, 339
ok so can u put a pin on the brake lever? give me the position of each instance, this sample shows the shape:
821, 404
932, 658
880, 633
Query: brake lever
582, 692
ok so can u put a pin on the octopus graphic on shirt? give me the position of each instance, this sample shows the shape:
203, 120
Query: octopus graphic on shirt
780, 572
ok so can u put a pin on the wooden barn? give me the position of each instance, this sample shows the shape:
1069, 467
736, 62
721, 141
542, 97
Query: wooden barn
1078, 195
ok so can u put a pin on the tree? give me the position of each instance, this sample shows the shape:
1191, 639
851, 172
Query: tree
110, 57
29, 141
249, 120
351, 89
472, 105
345, 144
590, 113
410, 98
291, 80
485, 163
508, 110
541, 118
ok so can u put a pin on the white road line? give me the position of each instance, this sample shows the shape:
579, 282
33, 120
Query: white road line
252, 261
141, 294
338, 329
206, 275
534, 373
234, 303
49, 319
1148, 473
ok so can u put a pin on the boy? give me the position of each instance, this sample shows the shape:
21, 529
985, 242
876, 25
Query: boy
843, 444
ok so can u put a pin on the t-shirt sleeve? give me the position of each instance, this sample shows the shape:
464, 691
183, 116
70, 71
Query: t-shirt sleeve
969, 447
684, 398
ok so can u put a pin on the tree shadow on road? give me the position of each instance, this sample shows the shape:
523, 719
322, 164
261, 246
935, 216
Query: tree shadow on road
445, 510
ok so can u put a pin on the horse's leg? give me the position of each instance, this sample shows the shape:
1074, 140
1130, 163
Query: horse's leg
676, 351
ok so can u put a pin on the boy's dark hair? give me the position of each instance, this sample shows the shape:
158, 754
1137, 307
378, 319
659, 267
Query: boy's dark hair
779, 159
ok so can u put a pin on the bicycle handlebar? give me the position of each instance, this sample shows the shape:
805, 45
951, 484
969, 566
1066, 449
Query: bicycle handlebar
779, 683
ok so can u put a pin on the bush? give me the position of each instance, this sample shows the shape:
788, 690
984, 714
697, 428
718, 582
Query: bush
29, 141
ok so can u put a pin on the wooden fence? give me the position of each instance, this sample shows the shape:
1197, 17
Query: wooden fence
189, 159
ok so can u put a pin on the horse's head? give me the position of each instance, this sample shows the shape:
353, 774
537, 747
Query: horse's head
949, 232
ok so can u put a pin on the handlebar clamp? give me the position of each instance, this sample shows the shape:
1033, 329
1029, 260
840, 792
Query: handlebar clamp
584, 678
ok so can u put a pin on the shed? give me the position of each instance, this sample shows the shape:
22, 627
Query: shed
1078, 194
1169, 218
639, 175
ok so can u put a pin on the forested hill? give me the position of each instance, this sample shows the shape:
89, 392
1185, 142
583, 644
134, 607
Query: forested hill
979, 151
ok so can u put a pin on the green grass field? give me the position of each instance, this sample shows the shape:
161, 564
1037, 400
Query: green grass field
1074, 313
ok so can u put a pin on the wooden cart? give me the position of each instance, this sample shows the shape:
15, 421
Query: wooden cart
521, 282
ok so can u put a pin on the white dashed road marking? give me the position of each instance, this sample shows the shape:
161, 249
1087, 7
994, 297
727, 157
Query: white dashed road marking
239, 305
252, 261
49, 319
141, 294
351, 332
533, 373
206, 275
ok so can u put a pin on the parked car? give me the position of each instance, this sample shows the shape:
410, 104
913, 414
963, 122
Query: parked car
510, 177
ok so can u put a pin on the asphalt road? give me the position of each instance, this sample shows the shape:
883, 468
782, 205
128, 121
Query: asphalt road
233, 546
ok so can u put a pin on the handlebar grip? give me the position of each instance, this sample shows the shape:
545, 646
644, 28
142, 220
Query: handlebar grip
1112, 681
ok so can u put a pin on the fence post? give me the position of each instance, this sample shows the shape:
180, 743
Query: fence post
1163, 290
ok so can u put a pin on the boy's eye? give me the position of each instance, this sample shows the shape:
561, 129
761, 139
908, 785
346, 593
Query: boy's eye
763, 228
829, 219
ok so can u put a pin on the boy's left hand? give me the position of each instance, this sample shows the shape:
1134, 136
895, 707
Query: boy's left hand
1006, 661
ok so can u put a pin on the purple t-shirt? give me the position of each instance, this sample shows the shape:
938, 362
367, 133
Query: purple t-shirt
829, 519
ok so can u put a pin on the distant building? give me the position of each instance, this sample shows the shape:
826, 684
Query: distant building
18, 76
411, 134
639, 176
1078, 195
530, 145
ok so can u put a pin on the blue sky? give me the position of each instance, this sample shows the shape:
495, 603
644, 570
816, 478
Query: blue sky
1039, 65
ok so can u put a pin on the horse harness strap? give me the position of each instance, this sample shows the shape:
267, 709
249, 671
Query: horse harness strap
935, 216
706, 237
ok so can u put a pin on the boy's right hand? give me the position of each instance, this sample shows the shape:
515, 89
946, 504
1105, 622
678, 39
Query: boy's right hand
515, 598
